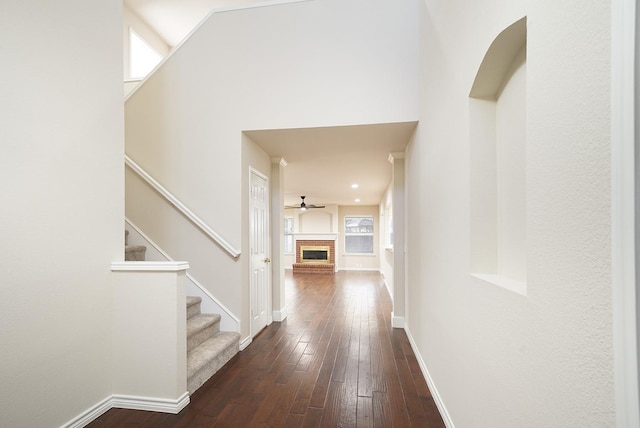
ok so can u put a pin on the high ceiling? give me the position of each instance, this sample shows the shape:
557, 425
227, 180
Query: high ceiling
172, 20
323, 163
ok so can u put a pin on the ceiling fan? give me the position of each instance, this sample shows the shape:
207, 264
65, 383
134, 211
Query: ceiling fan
303, 206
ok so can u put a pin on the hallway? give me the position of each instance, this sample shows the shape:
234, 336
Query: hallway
335, 361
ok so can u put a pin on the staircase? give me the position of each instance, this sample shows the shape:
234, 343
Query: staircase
208, 348
133, 253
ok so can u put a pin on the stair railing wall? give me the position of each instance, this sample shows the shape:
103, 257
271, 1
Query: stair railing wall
233, 252
228, 321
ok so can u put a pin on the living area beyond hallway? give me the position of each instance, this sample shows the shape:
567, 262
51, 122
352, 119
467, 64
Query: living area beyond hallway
335, 361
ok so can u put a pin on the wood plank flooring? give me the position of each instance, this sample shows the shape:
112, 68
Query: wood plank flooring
334, 362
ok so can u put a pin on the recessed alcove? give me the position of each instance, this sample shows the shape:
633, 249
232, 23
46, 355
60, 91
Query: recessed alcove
497, 125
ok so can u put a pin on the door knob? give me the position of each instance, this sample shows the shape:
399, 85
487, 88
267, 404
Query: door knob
267, 260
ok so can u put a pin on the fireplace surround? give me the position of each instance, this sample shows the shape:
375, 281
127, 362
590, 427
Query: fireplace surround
315, 256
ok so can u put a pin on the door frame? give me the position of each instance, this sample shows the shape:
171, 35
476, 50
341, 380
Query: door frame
624, 199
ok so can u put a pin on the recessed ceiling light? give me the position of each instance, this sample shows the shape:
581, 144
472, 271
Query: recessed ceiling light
357, 200
355, 186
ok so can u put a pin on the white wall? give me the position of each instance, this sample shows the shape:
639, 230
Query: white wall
497, 358
306, 64
62, 217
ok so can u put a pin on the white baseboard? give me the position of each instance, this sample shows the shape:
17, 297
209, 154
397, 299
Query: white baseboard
151, 404
128, 402
246, 342
281, 315
386, 285
432, 386
89, 415
397, 322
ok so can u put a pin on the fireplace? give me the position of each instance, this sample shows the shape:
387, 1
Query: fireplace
315, 254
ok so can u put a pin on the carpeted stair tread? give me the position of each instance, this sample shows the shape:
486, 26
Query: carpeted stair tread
134, 253
201, 321
201, 328
193, 306
206, 359
193, 300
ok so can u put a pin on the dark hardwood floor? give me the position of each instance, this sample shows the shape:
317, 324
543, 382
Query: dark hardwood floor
334, 362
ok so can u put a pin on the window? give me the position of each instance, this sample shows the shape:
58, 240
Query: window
142, 57
288, 235
358, 235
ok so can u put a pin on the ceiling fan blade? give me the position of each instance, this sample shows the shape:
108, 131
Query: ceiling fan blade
303, 205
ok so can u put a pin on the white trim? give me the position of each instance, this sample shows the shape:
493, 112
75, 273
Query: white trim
281, 315
151, 404
395, 155
386, 285
623, 257
358, 269
216, 301
280, 161
315, 236
446, 418
128, 402
245, 342
397, 322
170, 266
195, 282
181, 207
374, 254
89, 415
267, 179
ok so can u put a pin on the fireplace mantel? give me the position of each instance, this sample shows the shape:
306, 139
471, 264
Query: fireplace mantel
315, 236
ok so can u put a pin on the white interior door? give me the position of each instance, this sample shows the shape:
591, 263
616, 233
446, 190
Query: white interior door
259, 252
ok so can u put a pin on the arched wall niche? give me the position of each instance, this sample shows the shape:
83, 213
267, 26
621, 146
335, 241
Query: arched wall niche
497, 62
497, 124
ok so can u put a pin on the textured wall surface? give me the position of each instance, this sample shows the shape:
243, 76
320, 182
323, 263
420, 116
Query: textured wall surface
498, 358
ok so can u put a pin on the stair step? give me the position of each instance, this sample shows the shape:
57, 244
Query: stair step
193, 306
201, 328
134, 253
206, 359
